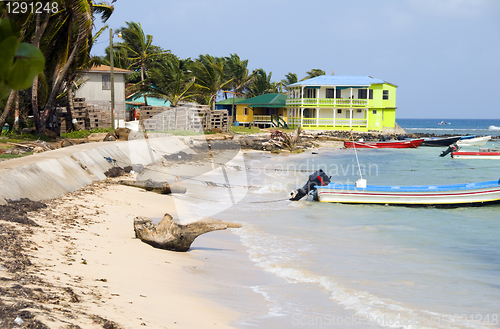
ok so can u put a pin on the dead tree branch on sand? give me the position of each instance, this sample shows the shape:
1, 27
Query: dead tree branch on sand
176, 237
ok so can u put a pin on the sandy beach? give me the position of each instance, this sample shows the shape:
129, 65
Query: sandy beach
79, 264
86, 258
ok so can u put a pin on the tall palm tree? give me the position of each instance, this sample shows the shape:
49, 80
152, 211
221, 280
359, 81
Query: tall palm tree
68, 36
171, 80
261, 84
237, 69
139, 49
209, 76
314, 73
78, 18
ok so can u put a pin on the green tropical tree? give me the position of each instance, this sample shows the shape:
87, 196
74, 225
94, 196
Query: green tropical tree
314, 73
237, 69
261, 84
171, 80
209, 77
20, 63
69, 35
290, 78
139, 49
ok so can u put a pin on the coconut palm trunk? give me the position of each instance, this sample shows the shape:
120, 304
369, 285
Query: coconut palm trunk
39, 120
7, 108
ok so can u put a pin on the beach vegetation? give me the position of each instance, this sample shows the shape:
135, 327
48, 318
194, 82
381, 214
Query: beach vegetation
13, 156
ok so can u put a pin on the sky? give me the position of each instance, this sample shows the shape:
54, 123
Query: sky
444, 55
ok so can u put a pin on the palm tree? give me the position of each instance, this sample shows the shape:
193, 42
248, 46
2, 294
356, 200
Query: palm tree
238, 71
261, 84
78, 17
171, 80
84, 62
314, 73
139, 49
209, 76
290, 78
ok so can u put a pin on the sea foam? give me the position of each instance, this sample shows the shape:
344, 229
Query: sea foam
281, 256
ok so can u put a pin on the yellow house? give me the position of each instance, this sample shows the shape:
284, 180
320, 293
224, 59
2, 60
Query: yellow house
265, 110
342, 102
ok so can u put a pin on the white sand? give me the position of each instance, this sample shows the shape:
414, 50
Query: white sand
124, 280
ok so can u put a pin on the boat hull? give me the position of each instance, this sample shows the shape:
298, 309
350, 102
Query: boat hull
476, 155
440, 142
389, 144
446, 195
478, 141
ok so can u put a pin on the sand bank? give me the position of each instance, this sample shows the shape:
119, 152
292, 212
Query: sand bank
85, 252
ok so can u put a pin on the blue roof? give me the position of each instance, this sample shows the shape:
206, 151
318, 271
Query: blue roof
340, 80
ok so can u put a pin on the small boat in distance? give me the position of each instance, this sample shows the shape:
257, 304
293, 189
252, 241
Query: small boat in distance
444, 123
414, 143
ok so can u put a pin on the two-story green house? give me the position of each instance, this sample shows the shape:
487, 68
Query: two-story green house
342, 102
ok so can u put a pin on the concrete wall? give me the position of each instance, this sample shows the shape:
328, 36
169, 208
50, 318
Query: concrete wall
54, 173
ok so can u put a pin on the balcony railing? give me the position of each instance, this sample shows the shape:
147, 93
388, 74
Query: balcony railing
327, 122
274, 120
326, 102
261, 118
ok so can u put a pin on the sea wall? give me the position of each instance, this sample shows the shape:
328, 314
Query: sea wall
51, 174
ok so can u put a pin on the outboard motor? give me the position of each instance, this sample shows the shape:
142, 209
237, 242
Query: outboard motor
452, 148
318, 178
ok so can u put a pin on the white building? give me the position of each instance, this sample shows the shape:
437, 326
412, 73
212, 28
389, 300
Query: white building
97, 89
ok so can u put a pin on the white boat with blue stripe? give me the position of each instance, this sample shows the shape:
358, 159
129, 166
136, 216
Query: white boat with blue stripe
470, 194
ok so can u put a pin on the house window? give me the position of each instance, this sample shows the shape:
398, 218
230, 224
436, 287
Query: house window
362, 93
106, 82
245, 111
374, 112
310, 93
359, 110
385, 94
330, 93
339, 111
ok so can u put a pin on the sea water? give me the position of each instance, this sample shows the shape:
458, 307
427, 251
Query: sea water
479, 127
330, 265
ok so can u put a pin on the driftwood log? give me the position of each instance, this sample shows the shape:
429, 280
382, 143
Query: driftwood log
157, 187
176, 237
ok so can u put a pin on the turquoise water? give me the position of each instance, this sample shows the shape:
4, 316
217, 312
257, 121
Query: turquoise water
370, 266
483, 127
362, 266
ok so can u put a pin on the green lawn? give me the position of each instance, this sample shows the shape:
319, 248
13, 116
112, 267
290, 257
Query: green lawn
12, 156
85, 133
244, 130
